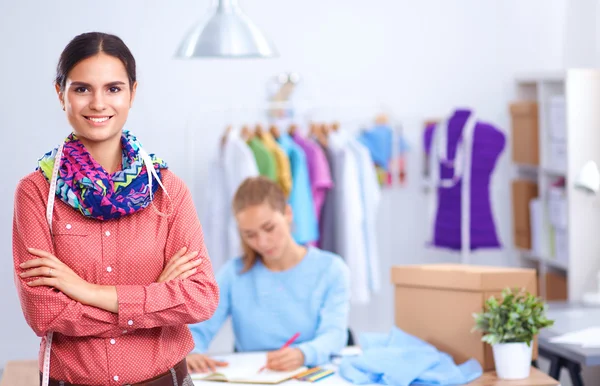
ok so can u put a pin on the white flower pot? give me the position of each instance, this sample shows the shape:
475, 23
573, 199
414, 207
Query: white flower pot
512, 360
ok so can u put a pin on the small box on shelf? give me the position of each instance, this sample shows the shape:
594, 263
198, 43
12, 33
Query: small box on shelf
556, 286
525, 132
523, 191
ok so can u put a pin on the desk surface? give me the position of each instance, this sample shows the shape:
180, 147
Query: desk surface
537, 378
569, 318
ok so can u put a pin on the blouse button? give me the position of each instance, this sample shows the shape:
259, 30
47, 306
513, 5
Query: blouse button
130, 322
112, 341
68, 226
116, 377
107, 233
108, 269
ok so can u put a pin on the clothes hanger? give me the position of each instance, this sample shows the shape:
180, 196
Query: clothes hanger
382, 119
321, 134
292, 129
246, 133
335, 126
274, 130
313, 129
258, 130
225, 135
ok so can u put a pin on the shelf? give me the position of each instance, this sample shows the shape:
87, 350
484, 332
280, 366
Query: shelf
554, 171
527, 167
549, 262
544, 76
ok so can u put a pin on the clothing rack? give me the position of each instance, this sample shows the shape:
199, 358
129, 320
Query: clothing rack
304, 110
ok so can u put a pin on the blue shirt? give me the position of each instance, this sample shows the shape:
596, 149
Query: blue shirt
379, 142
306, 228
267, 308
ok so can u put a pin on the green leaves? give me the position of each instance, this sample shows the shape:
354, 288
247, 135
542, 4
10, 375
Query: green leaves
517, 317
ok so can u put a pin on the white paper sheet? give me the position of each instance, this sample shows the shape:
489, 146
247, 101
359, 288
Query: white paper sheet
586, 338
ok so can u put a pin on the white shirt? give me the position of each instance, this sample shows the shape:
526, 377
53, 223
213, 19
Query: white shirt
370, 198
231, 166
349, 226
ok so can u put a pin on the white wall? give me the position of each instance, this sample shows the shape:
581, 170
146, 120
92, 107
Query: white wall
421, 58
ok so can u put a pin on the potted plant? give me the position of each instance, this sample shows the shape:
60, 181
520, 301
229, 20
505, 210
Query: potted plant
509, 326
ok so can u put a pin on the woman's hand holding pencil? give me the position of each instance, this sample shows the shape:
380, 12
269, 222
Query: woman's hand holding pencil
286, 358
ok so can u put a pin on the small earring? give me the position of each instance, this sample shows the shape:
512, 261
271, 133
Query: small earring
63, 107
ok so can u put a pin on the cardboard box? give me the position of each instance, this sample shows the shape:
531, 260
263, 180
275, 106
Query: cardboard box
436, 303
556, 286
21, 373
523, 191
525, 133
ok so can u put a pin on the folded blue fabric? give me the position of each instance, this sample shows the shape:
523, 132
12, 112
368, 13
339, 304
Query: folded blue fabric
400, 359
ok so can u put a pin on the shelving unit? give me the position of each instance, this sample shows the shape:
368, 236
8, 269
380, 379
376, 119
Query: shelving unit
580, 229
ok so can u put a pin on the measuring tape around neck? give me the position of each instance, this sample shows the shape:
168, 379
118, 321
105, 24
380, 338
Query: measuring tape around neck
49, 210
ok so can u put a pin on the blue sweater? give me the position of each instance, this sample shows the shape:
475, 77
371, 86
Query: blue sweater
267, 308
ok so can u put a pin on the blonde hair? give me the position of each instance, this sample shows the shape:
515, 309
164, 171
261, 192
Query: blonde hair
251, 192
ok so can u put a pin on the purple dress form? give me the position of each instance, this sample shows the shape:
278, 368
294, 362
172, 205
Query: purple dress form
487, 144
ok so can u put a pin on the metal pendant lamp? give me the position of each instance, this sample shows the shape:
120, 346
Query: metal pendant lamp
226, 33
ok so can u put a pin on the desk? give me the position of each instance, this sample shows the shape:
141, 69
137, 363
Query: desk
536, 378
569, 318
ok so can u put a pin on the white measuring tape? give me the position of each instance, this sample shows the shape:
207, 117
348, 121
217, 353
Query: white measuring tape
49, 209
462, 174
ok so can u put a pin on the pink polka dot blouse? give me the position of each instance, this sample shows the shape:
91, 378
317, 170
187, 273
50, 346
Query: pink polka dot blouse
149, 334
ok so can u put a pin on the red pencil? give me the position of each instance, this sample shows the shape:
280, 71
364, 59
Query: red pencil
287, 344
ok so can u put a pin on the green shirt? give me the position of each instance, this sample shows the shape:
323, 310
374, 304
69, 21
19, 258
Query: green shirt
264, 159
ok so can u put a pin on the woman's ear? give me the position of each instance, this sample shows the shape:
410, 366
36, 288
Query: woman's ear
289, 214
133, 91
61, 95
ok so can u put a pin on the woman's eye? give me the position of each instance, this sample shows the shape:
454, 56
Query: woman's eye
270, 229
81, 89
114, 89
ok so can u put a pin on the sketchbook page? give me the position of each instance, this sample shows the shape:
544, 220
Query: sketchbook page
244, 367
239, 365
268, 376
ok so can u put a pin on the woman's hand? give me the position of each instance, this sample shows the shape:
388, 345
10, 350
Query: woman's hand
51, 272
180, 267
286, 359
198, 363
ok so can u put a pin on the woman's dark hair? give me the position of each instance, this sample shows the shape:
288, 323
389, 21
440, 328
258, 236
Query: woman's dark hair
89, 44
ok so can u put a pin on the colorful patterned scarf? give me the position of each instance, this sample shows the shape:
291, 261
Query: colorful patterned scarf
83, 184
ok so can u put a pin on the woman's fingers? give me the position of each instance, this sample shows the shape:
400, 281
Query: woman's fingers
221, 363
176, 256
41, 253
41, 262
40, 271
183, 268
174, 270
187, 274
44, 281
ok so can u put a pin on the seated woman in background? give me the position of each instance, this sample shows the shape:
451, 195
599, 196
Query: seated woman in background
276, 289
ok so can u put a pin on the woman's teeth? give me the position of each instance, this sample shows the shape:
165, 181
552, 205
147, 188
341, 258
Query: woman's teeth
98, 120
